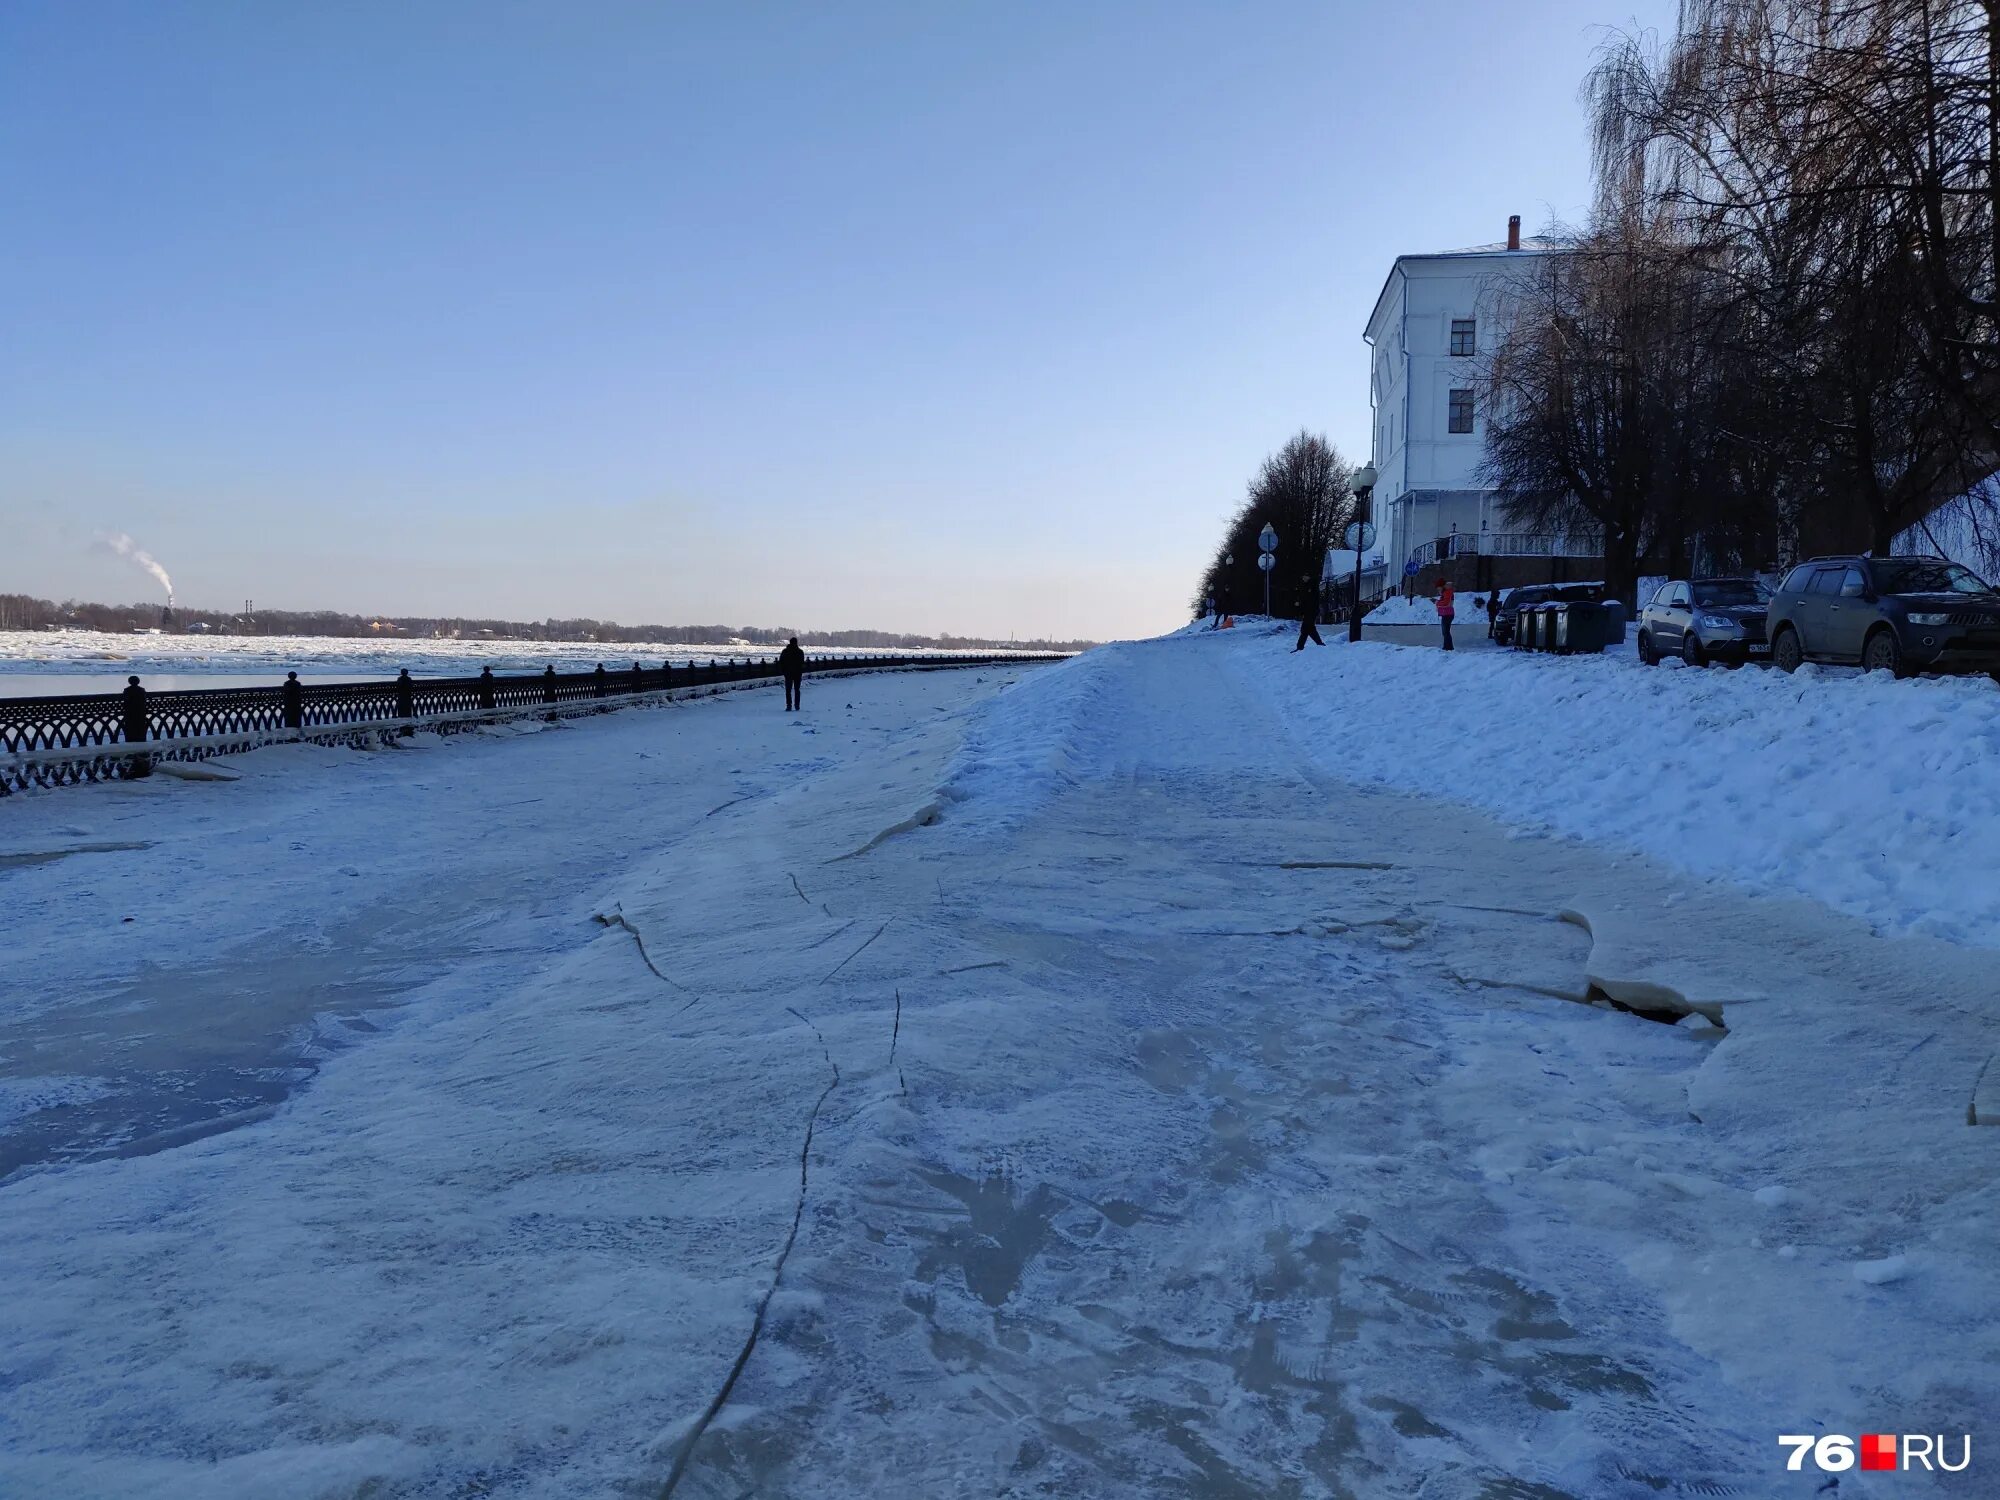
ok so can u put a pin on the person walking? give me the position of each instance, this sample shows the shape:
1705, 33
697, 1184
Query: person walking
136, 727
1447, 606
792, 667
1492, 614
1308, 613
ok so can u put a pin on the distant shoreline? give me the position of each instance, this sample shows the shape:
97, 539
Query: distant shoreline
21, 613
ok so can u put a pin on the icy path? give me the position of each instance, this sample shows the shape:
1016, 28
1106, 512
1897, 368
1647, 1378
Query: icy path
1184, 1121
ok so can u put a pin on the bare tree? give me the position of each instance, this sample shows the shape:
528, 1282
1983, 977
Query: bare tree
1837, 162
1302, 492
1591, 390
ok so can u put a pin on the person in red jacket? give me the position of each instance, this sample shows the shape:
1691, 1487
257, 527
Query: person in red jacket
1446, 609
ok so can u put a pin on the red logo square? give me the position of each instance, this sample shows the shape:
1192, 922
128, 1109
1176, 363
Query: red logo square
1878, 1450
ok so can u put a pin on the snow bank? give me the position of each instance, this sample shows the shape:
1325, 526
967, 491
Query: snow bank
1421, 610
1879, 798
1025, 743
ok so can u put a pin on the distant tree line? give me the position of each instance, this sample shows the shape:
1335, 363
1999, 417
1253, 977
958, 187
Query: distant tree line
23, 612
1302, 492
1779, 333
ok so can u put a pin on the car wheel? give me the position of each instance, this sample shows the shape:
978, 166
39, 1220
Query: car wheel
1691, 651
1647, 653
1787, 655
1883, 653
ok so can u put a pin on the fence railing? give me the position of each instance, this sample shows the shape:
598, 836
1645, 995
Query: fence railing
1508, 544
65, 741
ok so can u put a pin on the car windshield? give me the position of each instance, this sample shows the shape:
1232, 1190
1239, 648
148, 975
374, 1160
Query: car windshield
1724, 592
1923, 575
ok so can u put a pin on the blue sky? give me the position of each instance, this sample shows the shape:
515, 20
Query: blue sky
928, 316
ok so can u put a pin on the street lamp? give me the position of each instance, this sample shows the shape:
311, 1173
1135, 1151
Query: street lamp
1267, 543
1361, 536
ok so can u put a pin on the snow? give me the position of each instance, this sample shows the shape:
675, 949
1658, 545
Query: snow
1881, 1272
1421, 610
1876, 797
1140, 1163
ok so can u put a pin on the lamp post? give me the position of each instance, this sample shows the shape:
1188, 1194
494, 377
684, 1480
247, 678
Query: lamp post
1222, 588
1267, 545
1363, 485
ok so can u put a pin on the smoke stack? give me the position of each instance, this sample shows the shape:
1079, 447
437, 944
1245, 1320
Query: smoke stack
1513, 231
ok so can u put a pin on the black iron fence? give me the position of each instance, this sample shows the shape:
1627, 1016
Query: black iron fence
64, 741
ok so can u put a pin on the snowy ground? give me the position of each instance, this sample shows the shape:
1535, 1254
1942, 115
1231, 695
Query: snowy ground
1880, 798
1192, 1110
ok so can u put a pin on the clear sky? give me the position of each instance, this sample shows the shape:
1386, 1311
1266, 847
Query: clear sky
939, 317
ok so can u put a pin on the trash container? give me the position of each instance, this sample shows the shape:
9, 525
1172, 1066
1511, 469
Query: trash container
1581, 627
1614, 624
1525, 625
1549, 638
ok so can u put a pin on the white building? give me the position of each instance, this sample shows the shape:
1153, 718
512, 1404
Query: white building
1436, 316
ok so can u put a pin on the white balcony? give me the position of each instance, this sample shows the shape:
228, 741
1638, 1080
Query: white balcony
1509, 544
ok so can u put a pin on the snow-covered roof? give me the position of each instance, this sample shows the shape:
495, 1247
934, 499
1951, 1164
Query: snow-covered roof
1530, 245
1499, 247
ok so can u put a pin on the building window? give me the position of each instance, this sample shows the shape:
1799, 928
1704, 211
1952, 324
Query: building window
1461, 409
1464, 338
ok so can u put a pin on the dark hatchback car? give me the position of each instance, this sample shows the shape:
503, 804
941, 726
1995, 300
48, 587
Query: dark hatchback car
1704, 619
1889, 614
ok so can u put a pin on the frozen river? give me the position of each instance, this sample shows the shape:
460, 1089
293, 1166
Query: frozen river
63, 684
35, 663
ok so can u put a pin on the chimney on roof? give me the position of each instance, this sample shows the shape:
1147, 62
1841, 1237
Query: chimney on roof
1513, 231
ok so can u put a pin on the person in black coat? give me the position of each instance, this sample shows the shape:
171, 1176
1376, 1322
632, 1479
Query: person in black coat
1309, 605
792, 667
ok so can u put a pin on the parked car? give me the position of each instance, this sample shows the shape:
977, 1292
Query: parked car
1889, 614
1704, 619
1537, 593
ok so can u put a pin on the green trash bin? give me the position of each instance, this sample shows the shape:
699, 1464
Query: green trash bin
1582, 627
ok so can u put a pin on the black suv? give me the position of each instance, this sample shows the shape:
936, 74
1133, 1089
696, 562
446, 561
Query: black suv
1890, 614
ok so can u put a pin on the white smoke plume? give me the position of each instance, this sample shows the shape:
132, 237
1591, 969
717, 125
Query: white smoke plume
132, 552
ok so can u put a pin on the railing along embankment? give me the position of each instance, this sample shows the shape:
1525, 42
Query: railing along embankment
65, 741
